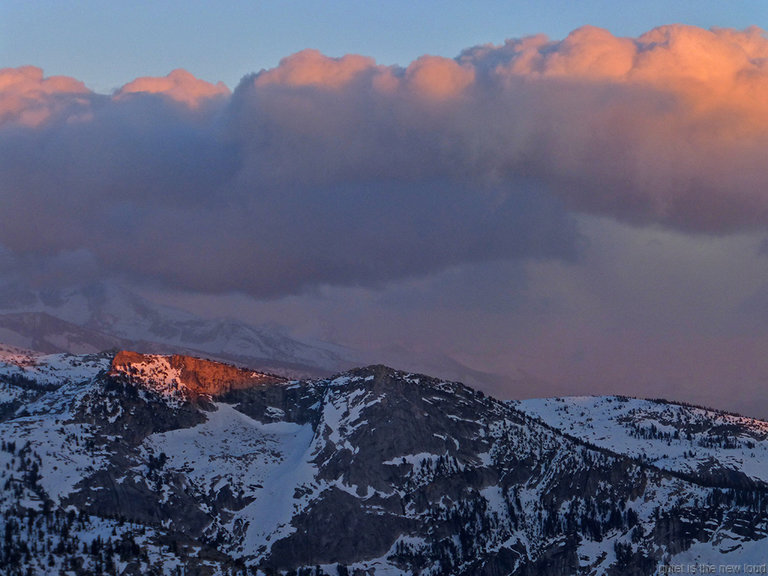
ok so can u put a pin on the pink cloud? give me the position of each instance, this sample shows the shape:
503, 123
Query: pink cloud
28, 98
588, 54
311, 68
438, 78
666, 127
179, 85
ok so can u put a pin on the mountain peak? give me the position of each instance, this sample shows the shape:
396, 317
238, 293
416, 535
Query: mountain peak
382, 372
382, 378
197, 376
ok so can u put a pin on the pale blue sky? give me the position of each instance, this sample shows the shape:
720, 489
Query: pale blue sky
107, 44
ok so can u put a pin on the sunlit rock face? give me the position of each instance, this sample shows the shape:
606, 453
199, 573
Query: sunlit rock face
195, 375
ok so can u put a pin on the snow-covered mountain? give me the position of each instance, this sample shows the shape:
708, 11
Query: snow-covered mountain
132, 463
710, 445
105, 316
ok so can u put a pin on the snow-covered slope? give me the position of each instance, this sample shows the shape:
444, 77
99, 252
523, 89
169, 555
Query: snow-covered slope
687, 439
51, 369
142, 463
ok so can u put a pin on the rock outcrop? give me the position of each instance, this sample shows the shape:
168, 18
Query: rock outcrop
198, 376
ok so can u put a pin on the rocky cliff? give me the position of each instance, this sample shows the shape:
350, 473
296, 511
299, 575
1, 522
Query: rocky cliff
195, 375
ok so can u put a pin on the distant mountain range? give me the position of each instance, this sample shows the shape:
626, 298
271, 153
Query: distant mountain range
130, 463
106, 316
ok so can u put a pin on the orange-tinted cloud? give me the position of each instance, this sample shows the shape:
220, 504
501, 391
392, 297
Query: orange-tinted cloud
666, 127
179, 85
28, 98
311, 68
588, 54
716, 72
438, 78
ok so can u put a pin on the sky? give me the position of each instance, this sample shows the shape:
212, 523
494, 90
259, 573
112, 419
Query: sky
568, 196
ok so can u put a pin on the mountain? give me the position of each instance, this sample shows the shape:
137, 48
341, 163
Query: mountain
711, 445
134, 463
105, 316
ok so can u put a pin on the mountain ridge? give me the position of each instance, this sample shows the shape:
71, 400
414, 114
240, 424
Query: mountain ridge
98, 316
370, 471
101, 316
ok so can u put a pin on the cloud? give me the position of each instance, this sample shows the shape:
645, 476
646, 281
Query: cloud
666, 128
438, 78
27, 98
311, 68
179, 85
343, 171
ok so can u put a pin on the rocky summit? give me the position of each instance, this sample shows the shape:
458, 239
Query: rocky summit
143, 464
195, 376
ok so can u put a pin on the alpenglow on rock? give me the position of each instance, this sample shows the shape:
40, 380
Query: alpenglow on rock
132, 464
196, 376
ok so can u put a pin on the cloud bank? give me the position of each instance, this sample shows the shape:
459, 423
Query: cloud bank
343, 171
